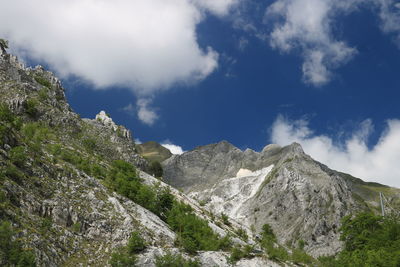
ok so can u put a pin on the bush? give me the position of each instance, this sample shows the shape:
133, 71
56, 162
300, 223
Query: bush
242, 234
89, 144
18, 156
11, 251
300, 256
267, 233
193, 233
42, 81
237, 253
225, 219
370, 240
136, 243
156, 169
121, 258
31, 107
175, 260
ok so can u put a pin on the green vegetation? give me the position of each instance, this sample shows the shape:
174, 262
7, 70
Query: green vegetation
31, 107
156, 169
175, 260
225, 219
126, 256
278, 253
370, 240
136, 243
238, 253
43, 81
193, 232
12, 252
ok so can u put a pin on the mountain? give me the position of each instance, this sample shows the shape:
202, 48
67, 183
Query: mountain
77, 191
74, 191
300, 198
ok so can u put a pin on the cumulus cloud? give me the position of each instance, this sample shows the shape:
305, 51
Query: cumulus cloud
175, 149
147, 45
145, 113
378, 164
306, 25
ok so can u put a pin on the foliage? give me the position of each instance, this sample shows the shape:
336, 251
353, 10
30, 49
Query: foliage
238, 253
12, 252
43, 81
193, 232
156, 169
136, 243
31, 107
242, 234
89, 144
18, 156
300, 256
225, 219
370, 240
267, 234
175, 260
126, 256
121, 258
8, 122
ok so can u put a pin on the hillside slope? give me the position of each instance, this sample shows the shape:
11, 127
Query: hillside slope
73, 191
301, 199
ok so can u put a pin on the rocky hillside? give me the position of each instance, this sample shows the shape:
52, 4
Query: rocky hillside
75, 192
301, 199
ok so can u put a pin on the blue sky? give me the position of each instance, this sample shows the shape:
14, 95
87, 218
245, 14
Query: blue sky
319, 72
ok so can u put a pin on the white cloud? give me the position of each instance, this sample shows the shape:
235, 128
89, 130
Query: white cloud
390, 17
147, 45
175, 149
218, 7
145, 113
306, 25
378, 164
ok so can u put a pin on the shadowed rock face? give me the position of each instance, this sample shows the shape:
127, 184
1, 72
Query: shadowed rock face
153, 151
282, 186
206, 165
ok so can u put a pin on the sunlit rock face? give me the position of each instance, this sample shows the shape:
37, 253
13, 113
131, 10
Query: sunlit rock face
282, 186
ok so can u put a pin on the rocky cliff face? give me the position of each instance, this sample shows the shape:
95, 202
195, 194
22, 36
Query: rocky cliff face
282, 186
53, 167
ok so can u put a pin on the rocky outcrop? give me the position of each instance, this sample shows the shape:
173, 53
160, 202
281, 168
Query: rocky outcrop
281, 186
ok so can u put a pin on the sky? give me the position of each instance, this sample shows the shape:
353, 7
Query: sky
185, 73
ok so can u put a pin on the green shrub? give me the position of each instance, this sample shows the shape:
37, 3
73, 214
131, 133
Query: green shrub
175, 260
193, 233
13, 173
136, 243
370, 240
12, 252
89, 144
121, 258
18, 156
238, 253
225, 219
43, 81
43, 94
300, 256
31, 107
156, 169
242, 234
267, 233
276, 252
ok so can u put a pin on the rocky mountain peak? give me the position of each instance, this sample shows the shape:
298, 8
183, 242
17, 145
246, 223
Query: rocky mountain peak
105, 119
